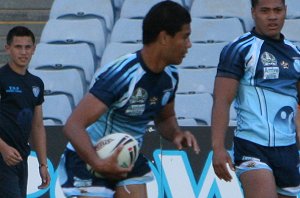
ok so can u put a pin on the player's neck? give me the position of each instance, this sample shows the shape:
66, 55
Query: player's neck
19, 69
153, 59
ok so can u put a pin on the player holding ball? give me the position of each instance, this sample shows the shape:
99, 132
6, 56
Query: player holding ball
127, 94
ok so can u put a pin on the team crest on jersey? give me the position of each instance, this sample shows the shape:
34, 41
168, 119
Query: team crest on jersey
268, 59
35, 91
137, 102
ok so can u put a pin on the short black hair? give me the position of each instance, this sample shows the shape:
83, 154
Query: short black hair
255, 2
19, 31
166, 16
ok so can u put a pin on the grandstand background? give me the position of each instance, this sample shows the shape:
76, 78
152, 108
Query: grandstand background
76, 37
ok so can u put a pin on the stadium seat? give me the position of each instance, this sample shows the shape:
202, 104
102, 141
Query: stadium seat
65, 56
203, 55
77, 9
127, 31
196, 80
215, 30
137, 9
115, 50
293, 9
291, 29
88, 31
56, 109
240, 9
194, 106
67, 82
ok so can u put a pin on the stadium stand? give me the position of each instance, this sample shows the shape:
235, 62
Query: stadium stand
65, 56
215, 30
224, 9
105, 43
67, 82
75, 9
115, 50
127, 31
203, 55
293, 10
56, 109
194, 106
90, 31
137, 9
196, 80
28, 13
291, 29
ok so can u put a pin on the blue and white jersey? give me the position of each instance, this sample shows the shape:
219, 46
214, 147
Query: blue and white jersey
268, 71
134, 95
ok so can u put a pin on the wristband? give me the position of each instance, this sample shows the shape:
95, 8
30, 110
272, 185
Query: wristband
41, 165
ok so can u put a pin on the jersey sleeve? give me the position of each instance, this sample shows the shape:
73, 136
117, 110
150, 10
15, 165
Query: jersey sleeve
111, 84
231, 62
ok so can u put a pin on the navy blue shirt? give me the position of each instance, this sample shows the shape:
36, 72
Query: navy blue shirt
19, 94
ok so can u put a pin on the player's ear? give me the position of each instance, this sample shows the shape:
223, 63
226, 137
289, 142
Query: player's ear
163, 37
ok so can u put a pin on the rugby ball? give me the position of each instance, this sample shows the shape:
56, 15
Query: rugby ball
106, 146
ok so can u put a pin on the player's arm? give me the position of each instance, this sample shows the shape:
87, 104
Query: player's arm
87, 112
167, 126
297, 120
39, 144
224, 93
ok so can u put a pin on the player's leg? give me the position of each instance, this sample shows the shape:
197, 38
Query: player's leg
135, 184
131, 191
258, 183
9, 180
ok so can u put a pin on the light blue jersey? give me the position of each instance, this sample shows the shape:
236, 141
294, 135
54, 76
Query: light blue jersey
133, 94
266, 103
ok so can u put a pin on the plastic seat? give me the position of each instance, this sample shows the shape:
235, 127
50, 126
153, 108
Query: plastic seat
115, 50
291, 29
194, 106
56, 108
67, 82
215, 30
65, 56
76, 9
196, 80
88, 31
240, 9
138, 9
203, 55
127, 31
293, 10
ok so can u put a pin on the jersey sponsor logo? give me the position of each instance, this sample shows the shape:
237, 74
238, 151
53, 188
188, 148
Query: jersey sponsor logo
14, 89
271, 72
139, 95
268, 59
35, 91
137, 102
135, 110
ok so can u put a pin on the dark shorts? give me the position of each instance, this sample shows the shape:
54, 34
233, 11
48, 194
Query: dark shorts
13, 179
78, 177
283, 161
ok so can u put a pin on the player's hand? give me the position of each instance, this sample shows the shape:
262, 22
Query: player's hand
45, 176
221, 160
186, 140
110, 169
11, 156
